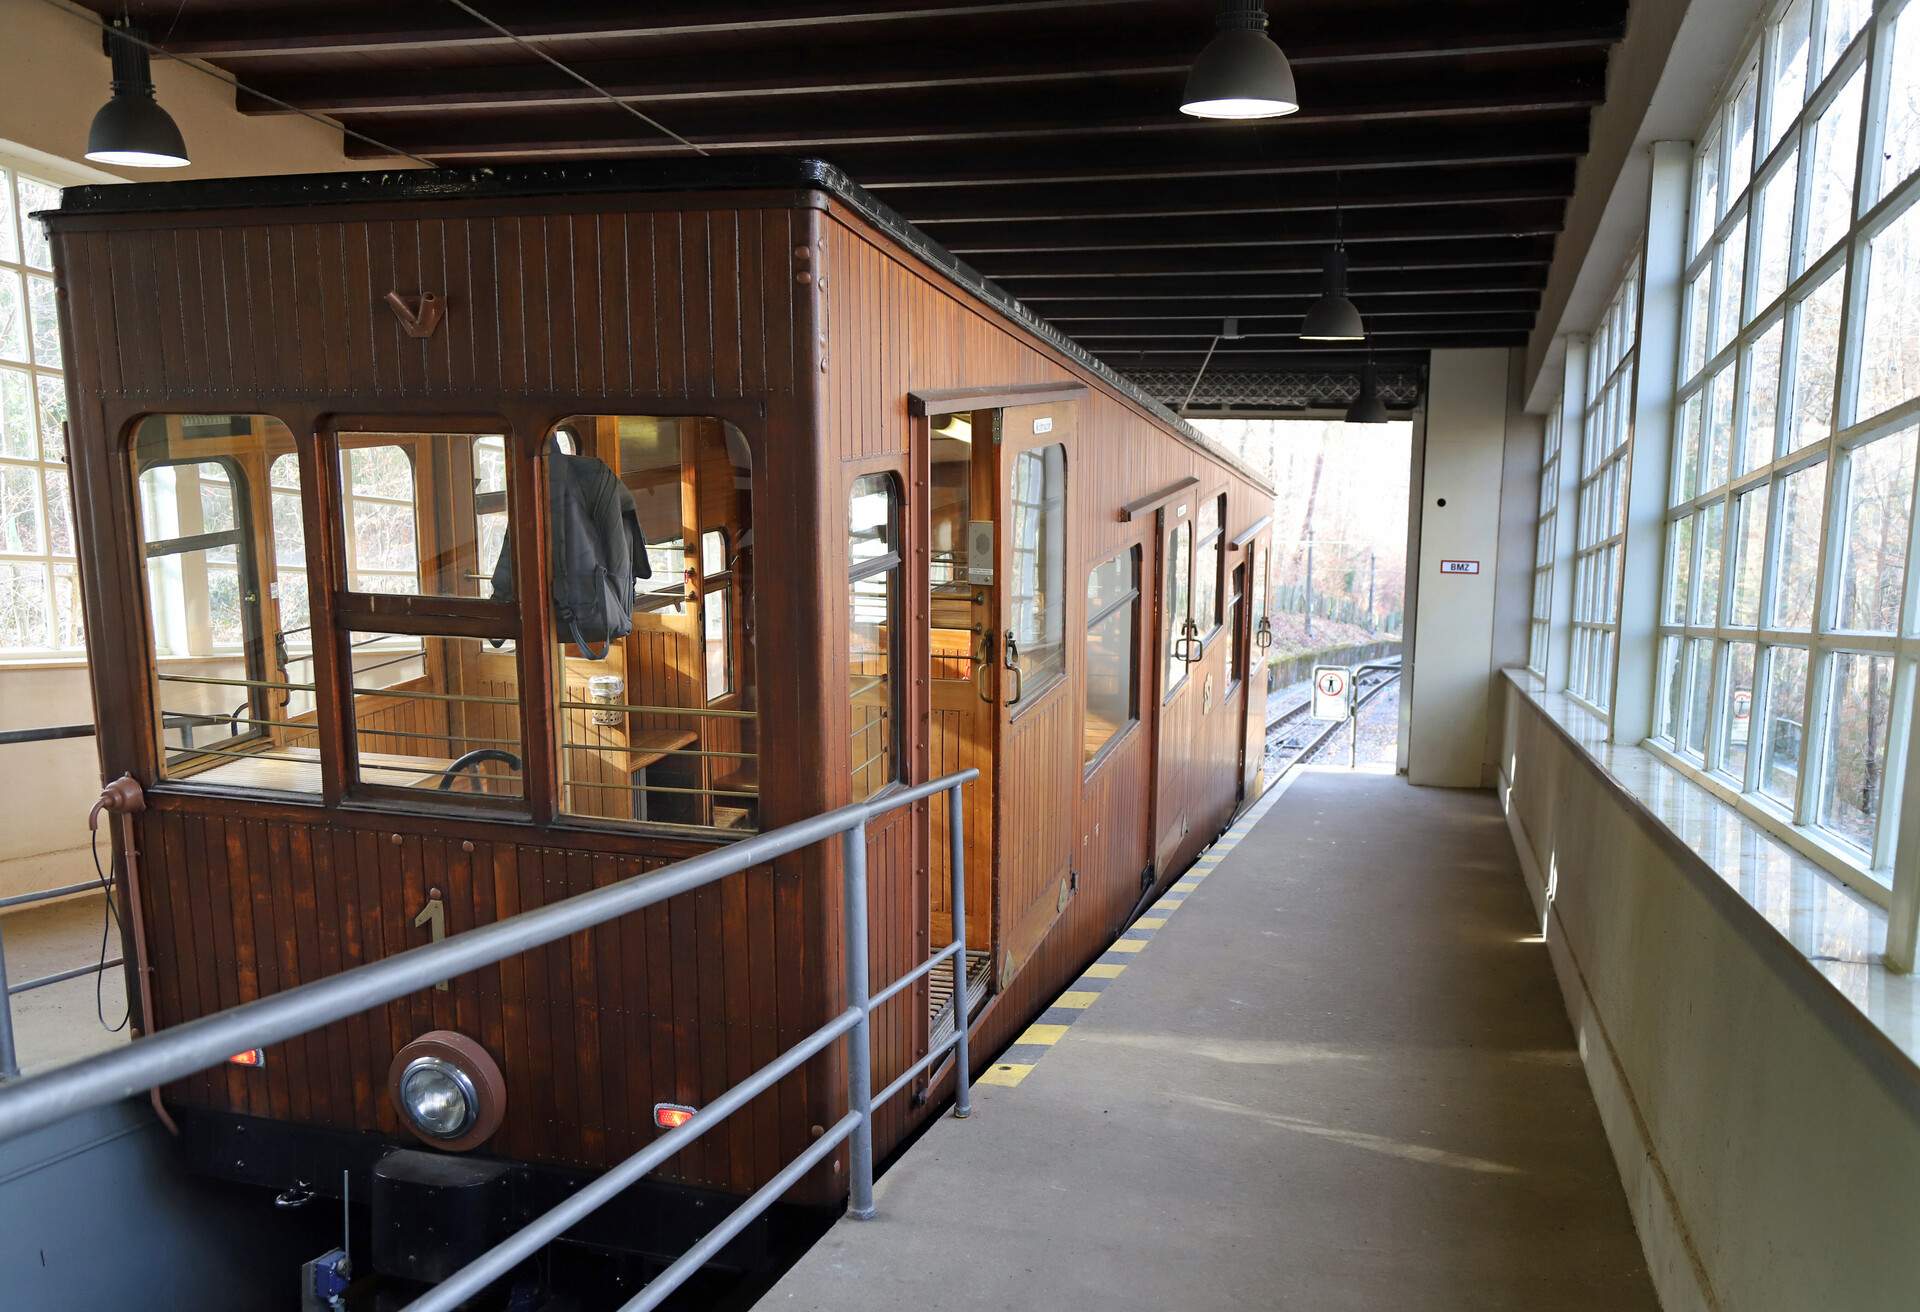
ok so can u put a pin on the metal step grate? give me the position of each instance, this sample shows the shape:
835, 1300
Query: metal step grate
940, 994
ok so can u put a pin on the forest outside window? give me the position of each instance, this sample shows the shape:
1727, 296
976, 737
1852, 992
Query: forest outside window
658, 709
1113, 638
873, 641
1208, 558
218, 509
1177, 628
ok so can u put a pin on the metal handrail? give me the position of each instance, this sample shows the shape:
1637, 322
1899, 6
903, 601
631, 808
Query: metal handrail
147, 1063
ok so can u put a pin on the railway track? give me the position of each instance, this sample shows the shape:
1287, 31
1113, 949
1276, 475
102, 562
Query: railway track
1294, 736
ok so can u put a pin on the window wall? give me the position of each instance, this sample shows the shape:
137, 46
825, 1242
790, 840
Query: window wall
1786, 660
1605, 431
39, 585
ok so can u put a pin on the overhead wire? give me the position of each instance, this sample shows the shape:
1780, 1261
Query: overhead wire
577, 76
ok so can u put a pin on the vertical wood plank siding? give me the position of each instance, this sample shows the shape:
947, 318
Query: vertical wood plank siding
799, 314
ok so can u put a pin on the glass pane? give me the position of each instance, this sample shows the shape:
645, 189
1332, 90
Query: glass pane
1736, 710
1763, 398
1706, 191
241, 713
69, 623
16, 415
26, 621
1687, 458
1797, 563
59, 513
1037, 561
1786, 704
1111, 641
661, 725
1749, 551
45, 314
53, 419
1836, 151
392, 490
1699, 311
13, 317
1719, 434
1856, 750
1206, 565
1900, 145
9, 247
872, 650
34, 196
1814, 363
1775, 243
1890, 348
1873, 560
1700, 658
1706, 594
21, 526
437, 714
1845, 18
1679, 565
1740, 135
1179, 561
1789, 71
1733, 266
1671, 689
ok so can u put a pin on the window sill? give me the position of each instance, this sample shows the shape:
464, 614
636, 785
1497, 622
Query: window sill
1781, 899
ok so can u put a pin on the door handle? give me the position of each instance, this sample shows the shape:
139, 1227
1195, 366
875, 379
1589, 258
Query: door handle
1011, 650
1263, 639
1187, 649
983, 662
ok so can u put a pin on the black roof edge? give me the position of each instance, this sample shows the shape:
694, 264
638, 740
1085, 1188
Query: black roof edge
591, 177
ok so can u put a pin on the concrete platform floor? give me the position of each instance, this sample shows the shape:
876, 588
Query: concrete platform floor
1339, 1077
58, 1024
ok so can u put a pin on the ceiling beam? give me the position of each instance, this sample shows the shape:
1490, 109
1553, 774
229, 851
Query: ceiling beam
947, 210
1053, 291
1070, 314
1255, 328
1528, 252
917, 120
1166, 355
1537, 219
664, 73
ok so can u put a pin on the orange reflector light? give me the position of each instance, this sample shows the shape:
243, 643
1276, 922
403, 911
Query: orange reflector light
671, 1115
251, 1057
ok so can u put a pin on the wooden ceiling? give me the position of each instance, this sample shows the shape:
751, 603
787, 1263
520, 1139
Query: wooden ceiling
1040, 140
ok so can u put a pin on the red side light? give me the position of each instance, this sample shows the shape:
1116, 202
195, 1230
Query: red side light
671, 1115
251, 1057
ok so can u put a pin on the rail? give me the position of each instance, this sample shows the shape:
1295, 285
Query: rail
41, 1100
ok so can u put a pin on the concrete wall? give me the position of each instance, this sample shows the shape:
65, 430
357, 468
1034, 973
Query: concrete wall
1768, 1137
1453, 616
53, 77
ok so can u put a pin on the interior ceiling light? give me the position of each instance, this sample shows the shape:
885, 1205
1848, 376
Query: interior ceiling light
131, 129
1241, 73
1334, 318
1367, 408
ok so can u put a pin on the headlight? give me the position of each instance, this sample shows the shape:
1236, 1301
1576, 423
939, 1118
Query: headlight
438, 1097
448, 1090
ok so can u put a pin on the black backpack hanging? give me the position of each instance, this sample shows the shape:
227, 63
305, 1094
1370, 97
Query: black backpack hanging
598, 551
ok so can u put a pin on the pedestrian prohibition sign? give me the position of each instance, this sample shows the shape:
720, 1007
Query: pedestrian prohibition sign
1332, 692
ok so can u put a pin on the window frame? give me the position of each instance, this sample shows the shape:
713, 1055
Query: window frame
718, 584
888, 563
1778, 144
1600, 493
1546, 526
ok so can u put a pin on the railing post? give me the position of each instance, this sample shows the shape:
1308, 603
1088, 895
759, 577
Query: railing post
957, 846
859, 1038
9, 1059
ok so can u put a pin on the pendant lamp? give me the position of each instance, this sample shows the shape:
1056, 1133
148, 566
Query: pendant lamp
131, 129
1241, 74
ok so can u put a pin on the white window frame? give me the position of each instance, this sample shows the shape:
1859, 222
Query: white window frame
1875, 870
1606, 432
1540, 630
47, 463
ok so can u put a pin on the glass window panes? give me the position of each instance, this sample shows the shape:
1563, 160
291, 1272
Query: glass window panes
1733, 264
1784, 723
873, 605
42, 615
1178, 623
1788, 70
1836, 153
1736, 710
1797, 559
436, 714
1774, 240
1699, 692
1853, 777
1037, 549
1207, 556
1900, 140
1889, 342
1815, 362
1762, 398
1706, 591
1113, 628
1749, 557
1873, 545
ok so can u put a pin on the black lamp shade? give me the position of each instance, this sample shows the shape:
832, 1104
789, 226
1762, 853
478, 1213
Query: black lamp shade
1367, 408
1334, 318
1241, 73
131, 129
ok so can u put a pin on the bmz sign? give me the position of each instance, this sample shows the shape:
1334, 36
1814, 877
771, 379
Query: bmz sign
1332, 692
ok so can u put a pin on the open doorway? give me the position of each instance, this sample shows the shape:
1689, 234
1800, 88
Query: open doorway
1337, 583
